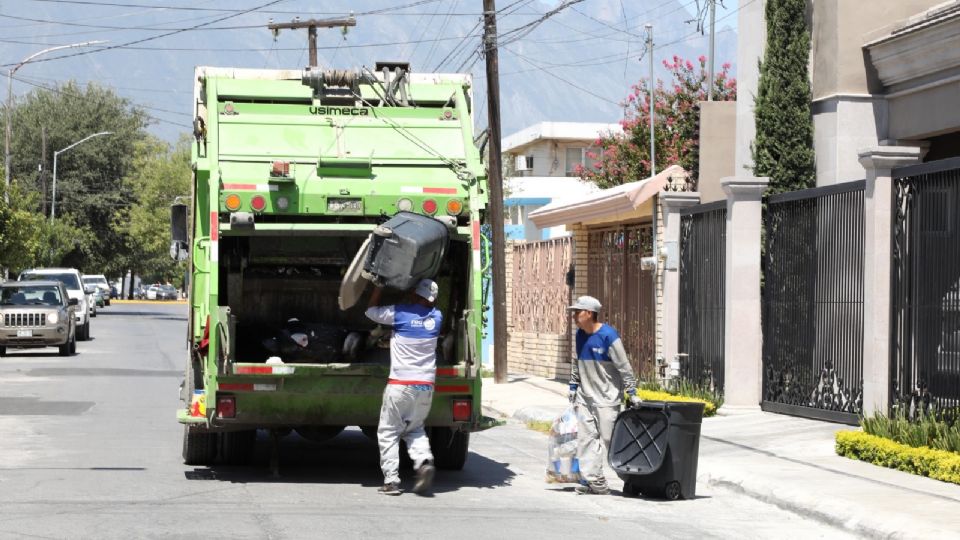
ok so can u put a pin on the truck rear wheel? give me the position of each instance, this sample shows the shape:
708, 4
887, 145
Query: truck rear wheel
199, 447
237, 446
449, 448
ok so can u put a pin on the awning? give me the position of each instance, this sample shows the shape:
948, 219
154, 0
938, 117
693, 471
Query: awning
623, 198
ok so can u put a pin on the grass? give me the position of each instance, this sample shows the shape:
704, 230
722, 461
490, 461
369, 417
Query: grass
924, 431
542, 426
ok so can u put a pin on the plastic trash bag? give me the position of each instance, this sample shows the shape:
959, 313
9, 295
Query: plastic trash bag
562, 463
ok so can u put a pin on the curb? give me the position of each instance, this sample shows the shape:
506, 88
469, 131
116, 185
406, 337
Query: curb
841, 517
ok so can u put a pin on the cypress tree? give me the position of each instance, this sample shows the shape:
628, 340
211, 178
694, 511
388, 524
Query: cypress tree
783, 148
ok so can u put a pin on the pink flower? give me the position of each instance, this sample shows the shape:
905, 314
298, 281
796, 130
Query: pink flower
726, 65
702, 59
689, 65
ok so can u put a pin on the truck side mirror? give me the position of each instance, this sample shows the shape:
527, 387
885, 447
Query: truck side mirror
178, 222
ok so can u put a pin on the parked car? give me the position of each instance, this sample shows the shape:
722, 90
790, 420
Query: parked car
37, 314
100, 281
167, 292
151, 293
70, 277
140, 292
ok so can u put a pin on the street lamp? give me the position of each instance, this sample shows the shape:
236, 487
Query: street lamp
53, 196
6, 144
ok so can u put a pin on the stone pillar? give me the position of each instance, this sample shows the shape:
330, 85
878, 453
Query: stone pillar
673, 203
879, 162
743, 336
752, 40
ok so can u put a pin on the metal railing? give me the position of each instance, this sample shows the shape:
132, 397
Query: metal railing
813, 303
702, 293
925, 324
540, 291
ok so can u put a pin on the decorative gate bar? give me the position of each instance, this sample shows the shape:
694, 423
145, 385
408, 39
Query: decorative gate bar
925, 328
703, 232
624, 289
540, 291
813, 303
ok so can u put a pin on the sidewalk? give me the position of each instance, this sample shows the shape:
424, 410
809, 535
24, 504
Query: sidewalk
782, 460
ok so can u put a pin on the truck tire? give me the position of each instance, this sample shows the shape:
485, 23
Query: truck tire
83, 332
449, 448
199, 447
3, 350
237, 447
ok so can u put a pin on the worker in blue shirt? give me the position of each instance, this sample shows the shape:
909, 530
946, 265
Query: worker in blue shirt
409, 392
601, 375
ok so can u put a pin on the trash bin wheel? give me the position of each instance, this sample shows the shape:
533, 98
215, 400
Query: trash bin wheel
672, 491
630, 490
385, 232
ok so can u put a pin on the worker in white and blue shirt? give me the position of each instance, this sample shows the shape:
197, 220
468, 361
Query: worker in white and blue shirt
600, 377
409, 392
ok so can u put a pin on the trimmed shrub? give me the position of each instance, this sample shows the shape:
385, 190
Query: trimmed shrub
709, 408
923, 461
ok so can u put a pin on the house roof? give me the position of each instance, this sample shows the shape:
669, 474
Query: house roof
623, 198
557, 131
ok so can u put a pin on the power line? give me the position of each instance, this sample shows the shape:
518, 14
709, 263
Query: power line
135, 42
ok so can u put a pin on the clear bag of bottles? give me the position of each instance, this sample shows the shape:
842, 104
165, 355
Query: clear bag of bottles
562, 463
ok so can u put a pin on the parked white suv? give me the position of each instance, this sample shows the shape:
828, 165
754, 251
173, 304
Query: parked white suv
71, 278
101, 282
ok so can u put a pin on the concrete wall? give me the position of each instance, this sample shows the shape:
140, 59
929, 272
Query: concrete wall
717, 147
849, 111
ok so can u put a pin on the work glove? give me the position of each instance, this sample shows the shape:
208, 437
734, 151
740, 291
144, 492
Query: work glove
573, 392
632, 399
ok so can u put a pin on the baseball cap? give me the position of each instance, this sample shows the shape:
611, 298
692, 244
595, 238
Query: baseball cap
587, 303
427, 288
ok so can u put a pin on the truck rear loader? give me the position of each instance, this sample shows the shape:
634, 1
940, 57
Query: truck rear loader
293, 172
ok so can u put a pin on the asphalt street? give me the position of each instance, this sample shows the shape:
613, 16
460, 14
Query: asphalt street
90, 448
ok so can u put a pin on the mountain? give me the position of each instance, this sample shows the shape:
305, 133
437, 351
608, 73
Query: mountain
576, 65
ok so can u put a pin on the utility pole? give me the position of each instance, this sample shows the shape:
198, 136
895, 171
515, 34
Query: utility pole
43, 171
713, 35
653, 154
495, 181
311, 25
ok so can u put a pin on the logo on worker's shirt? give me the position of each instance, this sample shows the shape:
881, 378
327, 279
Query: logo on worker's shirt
429, 324
598, 351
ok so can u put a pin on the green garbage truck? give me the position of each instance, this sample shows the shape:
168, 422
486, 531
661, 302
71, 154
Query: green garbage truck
293, 170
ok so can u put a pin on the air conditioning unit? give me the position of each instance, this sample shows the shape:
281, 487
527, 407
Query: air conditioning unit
523, 163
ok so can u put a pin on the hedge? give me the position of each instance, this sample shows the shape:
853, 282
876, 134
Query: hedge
923, 461
709, 408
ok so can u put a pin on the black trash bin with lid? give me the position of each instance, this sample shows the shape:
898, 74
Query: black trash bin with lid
655, 446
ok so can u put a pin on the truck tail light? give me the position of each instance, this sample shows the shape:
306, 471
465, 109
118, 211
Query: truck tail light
430, 206
232, 202
462, 410
454, 207
258, 203
226, 407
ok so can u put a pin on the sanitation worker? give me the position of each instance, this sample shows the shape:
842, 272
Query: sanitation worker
409, 391
600, 377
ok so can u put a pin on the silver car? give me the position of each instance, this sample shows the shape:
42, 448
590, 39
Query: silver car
37, 314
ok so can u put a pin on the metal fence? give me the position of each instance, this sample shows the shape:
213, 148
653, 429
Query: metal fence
813, 303
703, 232
925, 343
625, 290
540, 291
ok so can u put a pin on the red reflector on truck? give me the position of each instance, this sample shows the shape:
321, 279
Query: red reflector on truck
226, 407
461, 410
253, 370
236, 387
447, 371
452, 388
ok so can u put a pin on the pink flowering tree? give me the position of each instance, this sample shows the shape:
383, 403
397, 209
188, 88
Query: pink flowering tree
625, 157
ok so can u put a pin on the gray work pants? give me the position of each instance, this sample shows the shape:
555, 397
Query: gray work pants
402, 414
594, 430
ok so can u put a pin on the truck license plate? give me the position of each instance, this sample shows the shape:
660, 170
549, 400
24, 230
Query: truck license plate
24, 333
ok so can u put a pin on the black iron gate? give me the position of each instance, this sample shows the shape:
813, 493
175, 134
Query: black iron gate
624, 288
703, 231
813, 303
925, 343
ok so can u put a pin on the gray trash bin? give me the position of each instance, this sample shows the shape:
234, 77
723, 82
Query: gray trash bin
655, 447
405, 249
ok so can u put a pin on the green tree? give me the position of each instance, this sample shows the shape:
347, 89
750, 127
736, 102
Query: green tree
783, 148
89, 176
625, 157
159, 174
